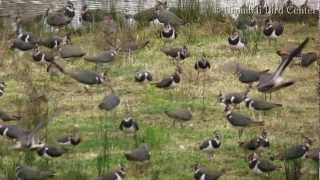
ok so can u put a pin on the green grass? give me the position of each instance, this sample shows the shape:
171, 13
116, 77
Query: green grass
174, 150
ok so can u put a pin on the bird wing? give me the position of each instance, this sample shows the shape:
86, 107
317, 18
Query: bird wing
286, 62
266, 166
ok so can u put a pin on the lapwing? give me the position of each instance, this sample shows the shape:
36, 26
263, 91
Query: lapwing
296, 151
202, 64
69, 140
87, 78
260, 166
142, 76
27, 37
168, 32
44, 58
273, 30
168, 81
103, 57
248, 76
179, 114
50, 151
256, 142
212, 144
167, 17
6, 116
176, 53
24, 138
203, 173
240, 121
255, 104
2, 87
62, 18
235, 42
118, 174
109, 102
132, 45
24, 172
139, 155
252, 25
274, 81
129, 125
91, 15
308, 58
71, 51
232, 98
55, 41
22, 45
313, 154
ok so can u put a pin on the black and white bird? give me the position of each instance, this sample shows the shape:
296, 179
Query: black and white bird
274, 81
260, 105
24, 172
142, 76
260, 166
240, 121
296, 151
176, 53
109, 102
313, 154
202, 64
141, 154
118, 174
308, 58
256, 142
22, 45
55, 41
2, 87
273, 30
69, 140
235, 41
62, 17
103, 57
71, 51
212, 144
179, 114
129, 125
6, 116
44, 58
24, 138
73, 138
168, 81
233, 98
168, 32
87, 77
203, 173
27, 37
50, 151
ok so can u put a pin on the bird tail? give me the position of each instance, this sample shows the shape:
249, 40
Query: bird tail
258, 123
264, 71
285, 84
59, 67
90, 59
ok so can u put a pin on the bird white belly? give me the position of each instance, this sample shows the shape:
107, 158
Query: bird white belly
257, 170
273, 35
203, 177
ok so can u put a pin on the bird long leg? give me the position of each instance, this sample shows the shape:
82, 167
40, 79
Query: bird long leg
260, 116
136, 139
270, 96
203, 93
240, 133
